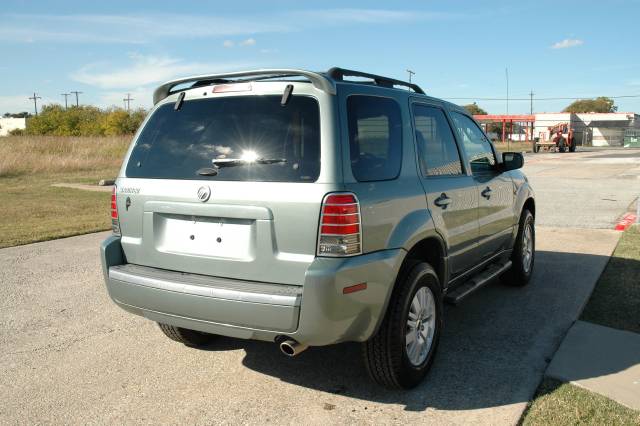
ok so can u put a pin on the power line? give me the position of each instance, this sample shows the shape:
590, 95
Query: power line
66, 95
531, 97
75, 92
545, 99
128, 100
35, 102
411, 73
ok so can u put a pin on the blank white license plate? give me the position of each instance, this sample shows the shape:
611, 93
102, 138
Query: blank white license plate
205, 236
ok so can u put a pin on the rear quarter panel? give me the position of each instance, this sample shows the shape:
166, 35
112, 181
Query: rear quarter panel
394, 212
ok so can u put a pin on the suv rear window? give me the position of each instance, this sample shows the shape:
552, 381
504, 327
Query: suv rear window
375, 137
268, 142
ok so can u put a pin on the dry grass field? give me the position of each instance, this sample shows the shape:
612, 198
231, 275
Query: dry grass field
31, 209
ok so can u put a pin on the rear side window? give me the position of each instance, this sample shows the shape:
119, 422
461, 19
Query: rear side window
437, 149
242, 138
375, 137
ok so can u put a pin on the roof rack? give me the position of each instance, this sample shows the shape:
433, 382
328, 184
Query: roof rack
320, 81
338, 74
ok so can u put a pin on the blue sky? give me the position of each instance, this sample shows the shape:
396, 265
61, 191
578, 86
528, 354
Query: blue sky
457, 49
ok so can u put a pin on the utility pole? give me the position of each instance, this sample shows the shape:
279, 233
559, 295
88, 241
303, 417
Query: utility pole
35, 102
531, 97
411, 73
75, 92
128, 100
506, 73
66, 95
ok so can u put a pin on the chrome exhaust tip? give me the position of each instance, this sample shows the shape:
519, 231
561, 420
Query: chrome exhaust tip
290, 347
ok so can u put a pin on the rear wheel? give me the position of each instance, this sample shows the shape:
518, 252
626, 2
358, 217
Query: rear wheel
572, 148
561, 146
400, 354
524, 251
186, 336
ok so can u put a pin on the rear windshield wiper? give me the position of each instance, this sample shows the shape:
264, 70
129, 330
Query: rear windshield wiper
232, 162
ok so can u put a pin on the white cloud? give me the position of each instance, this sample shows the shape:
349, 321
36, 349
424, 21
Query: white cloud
144, 70
132, 29
566, 43
248, 42
228, 43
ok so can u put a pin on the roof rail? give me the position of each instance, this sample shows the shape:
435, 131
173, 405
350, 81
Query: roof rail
320, 81
338, 74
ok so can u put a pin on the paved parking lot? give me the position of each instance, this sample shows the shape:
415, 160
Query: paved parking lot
584, 189
68, 355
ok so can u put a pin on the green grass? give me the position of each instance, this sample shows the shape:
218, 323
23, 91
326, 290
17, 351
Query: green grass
558, 403
31, 209
615, 302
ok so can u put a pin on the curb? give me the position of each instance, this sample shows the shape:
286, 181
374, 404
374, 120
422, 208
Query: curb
626, 221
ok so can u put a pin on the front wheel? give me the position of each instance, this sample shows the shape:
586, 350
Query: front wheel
524, 251
400, 354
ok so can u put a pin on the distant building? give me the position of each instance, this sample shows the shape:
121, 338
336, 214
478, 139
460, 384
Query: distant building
590, 129
8, 124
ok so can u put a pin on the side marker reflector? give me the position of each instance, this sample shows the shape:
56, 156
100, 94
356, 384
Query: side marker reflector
354, 288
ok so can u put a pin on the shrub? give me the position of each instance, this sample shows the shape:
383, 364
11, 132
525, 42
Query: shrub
84, 121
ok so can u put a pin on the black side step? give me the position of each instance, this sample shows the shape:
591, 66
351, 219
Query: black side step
458, 293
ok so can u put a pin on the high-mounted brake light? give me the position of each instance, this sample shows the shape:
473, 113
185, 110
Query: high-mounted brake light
234, 87
115, 221
340, 232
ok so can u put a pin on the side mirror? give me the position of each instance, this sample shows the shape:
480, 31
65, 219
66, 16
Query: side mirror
512, 161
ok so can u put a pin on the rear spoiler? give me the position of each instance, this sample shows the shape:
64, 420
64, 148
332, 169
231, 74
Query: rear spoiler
319, 81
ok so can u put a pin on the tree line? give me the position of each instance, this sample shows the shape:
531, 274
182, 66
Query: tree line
600, 104
82, 120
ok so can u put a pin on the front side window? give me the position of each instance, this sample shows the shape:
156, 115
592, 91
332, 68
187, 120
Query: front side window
437, 149
375, 137
237, 138
475, 144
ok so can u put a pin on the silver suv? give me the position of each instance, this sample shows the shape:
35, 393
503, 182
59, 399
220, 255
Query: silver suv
308, 209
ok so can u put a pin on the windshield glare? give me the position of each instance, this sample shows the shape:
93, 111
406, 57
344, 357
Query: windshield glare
268, 141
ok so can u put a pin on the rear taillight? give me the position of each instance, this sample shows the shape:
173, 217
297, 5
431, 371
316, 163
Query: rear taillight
115, 222
340, 231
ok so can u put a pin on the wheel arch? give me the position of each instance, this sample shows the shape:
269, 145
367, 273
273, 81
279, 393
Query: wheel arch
430, 249
530, 205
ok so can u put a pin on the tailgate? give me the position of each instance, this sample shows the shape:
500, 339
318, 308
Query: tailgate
255, 231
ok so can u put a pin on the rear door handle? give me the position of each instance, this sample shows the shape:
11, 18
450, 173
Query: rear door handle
486, 193
442, 201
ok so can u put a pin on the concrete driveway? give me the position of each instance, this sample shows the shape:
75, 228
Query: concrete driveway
68, 355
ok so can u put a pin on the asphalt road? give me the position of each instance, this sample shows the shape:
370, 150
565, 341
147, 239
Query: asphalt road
68, 355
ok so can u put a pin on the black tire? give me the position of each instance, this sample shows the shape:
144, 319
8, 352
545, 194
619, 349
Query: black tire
519, 275
561, 146
188, 337
572, 148
385, 353
536, 149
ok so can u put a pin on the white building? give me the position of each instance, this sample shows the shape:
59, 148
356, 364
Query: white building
589, 129
8, 124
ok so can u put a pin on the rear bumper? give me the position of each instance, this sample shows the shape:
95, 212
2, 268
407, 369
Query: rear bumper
315, 313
